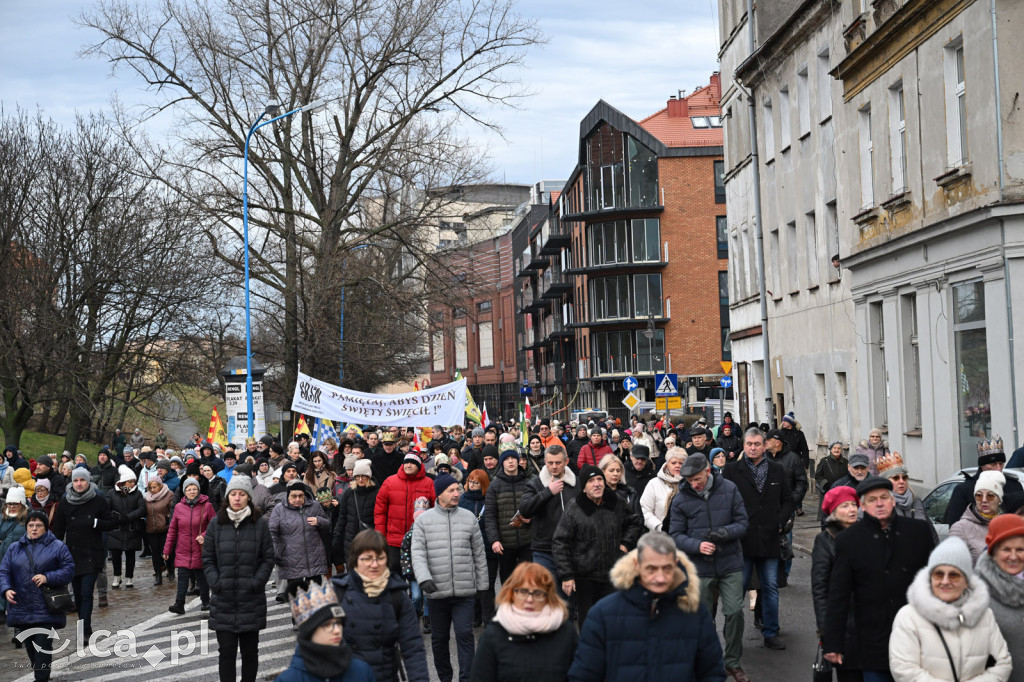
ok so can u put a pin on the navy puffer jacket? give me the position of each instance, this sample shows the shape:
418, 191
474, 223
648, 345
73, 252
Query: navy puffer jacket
693, 518
373, 628
634, 634
24, 559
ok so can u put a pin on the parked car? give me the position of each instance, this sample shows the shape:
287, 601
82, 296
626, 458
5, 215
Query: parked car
937, 500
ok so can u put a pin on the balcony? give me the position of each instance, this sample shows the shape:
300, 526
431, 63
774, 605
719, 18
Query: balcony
620, 321
645, 266
553, 284
552, 236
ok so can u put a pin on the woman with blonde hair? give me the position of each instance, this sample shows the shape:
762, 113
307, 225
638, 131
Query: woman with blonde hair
530, 637
659, 492
615, 478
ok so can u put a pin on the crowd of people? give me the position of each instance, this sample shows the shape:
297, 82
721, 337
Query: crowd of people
596, 551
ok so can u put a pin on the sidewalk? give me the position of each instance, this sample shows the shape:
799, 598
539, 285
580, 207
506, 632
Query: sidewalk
807, 527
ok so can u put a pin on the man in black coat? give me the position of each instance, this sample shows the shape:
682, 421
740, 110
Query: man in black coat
794, 439
991, 457
767, 496
638, 467
876, 561
790, 461
388, 460
45, 470
544, 500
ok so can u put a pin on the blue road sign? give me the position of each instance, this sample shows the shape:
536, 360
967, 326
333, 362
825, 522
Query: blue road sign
666, 385
629, 383
726, 381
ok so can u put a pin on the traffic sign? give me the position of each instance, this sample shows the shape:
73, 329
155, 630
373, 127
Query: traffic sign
630, 384
669, 403
667, 384
726, 367
726, 381
631, 401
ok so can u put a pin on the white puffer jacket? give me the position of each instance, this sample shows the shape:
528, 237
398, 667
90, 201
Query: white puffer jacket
916, 653
654, 501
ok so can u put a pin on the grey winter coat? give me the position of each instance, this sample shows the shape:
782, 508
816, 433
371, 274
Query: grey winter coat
1006, 599
448, 549
300, 548
693, 517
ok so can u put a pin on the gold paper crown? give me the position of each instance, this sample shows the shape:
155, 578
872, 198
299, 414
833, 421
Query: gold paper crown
307, 602
887, 462
990, 447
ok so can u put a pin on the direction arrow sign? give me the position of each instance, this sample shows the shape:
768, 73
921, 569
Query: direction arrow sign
629, 383
726, 382
667, 384
631, 401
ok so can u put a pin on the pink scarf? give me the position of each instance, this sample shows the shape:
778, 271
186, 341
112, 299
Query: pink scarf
518, 622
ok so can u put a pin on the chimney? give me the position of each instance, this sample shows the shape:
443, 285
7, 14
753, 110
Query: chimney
678, 108
716, 85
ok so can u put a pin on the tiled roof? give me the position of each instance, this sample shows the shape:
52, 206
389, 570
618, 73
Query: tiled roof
677, 130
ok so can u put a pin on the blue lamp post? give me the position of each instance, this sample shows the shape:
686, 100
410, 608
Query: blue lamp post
341, 359
272, 110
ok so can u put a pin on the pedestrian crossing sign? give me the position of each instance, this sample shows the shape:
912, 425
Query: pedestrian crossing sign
667, 384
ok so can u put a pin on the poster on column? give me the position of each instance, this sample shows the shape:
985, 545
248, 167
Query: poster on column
445, 405
237, 411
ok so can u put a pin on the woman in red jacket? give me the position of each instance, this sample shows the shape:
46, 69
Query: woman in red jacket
185, 538
392, 513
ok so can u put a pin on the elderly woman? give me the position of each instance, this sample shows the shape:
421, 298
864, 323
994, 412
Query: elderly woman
43, 501
1001, 568
12, 526
947, 610
159, 500
659, 492
185, 537
973, 524
840, 507
301, 532
874, 447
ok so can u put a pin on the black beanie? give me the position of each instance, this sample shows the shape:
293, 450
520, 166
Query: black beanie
38, 515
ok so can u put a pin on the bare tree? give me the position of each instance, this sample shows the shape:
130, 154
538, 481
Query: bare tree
400, 77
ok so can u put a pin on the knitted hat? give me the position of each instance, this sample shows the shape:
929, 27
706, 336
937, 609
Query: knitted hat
477, 432
1000, 528
419, 506
362, 468
694, 464
164, 464
148, 454
38, 516
413, 458
286, 466
349, 461
443, 482
16, 495
952, 552
43, 483
239, 482
314, 606
45, 460
640, 451
243, 469
1013, 501
596, 431
789, 419
836, 496
80, 473
190, 481
991, 480
873, 483
490, 451
587, 472
714, 451
229, 454
126, 474
505, 453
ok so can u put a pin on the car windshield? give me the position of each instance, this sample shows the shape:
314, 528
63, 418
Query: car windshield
937, 501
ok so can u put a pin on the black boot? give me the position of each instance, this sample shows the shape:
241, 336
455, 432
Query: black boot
426, 625
177, 607
158, 580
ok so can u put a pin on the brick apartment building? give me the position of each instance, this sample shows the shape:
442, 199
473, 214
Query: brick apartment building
647, 266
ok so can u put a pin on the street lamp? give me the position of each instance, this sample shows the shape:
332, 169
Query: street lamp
274, 111
341, 358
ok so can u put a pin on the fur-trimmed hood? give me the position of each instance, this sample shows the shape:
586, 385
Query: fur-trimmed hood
1003, 587
686, 584
968, 612
569, 478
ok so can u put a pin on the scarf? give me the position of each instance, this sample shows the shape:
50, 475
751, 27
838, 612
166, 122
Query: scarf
760, 472
374, 587
159, 495
905, 500
519, 622
80, 498
323, 661
238, 516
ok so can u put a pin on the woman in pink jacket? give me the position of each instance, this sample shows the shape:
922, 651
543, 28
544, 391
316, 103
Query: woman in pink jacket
185, 538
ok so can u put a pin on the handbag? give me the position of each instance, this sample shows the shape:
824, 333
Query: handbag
58, 600
821, 671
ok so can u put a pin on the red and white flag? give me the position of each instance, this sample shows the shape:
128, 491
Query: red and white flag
483, 417
526, 409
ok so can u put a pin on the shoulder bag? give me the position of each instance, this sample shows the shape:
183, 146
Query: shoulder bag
58, 599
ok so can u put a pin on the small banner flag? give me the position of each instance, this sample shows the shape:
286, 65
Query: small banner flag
302, 427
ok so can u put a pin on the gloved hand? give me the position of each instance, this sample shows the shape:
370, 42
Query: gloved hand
786, 527
481, 594
428, 587
718, 535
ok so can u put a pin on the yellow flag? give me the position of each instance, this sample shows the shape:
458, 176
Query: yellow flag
217, 433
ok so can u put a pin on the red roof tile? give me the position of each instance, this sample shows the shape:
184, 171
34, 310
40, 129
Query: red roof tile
673, 125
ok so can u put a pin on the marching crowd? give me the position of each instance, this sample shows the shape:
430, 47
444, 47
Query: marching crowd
611, 546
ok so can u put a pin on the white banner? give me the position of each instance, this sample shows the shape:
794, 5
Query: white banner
445, 405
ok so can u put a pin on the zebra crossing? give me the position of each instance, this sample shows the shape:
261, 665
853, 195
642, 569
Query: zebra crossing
169, 647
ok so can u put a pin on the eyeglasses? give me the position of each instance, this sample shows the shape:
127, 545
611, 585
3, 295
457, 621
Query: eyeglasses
985, 496
952, 576
371, 560
536, 595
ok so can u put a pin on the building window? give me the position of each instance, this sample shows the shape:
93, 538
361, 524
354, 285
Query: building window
461, 348
775, 271
956, 105
867, 161
646, 240
437, 343
832, 238
722, 236
723, 314
458, 313
650, 352
609, 297
647, 292
912, 362
769, 131
824, 86
642, 167
785, 137
811, 254
620, 171
613, 352
485, 337
483, 306
972, 382
792, 250
719, 169
898, 138
803, 101
726, 344
876, 358
608, 243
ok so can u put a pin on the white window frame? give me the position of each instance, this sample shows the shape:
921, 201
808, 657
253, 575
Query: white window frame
461, 348
485, 339
898, 137
437, 341
955, 67
867, 160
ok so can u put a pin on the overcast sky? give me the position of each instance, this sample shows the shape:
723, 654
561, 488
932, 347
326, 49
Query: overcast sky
632, 55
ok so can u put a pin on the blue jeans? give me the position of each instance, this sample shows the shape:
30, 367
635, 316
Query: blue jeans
83, 587
768, 574
445, 613
418, 601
